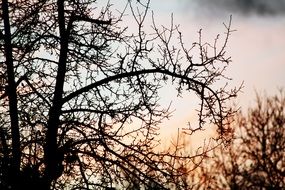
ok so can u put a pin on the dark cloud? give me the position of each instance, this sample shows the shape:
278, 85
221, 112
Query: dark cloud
259, 7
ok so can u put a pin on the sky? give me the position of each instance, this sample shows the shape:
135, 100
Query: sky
257, 47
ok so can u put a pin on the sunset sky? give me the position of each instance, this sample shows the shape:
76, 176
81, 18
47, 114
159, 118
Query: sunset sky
257, 47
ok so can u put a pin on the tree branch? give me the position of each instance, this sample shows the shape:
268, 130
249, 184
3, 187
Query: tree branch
91, 20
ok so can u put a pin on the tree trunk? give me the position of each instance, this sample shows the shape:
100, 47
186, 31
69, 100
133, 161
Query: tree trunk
54, 157
12, 95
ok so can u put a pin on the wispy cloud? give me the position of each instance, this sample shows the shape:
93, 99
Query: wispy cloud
245, 7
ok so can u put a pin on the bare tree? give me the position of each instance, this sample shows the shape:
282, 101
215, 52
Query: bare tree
80, 93
255, 159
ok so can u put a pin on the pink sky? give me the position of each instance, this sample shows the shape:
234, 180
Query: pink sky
257, 49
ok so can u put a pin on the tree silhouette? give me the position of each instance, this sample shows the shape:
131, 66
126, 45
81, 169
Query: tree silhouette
80, 93
183, 171
255, 159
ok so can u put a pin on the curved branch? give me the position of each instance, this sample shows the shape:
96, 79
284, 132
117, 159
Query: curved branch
135, 73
